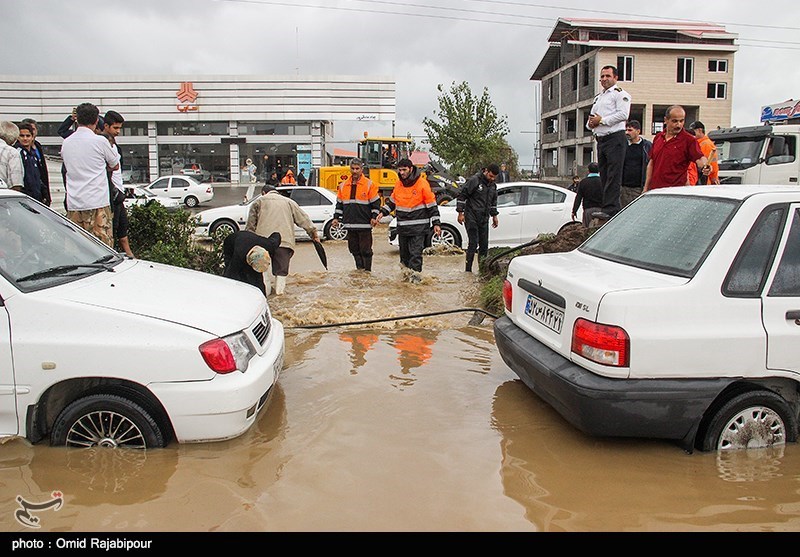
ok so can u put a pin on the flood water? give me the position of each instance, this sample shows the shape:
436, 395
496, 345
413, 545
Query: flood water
403, 426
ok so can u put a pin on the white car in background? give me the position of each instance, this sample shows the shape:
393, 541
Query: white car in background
142, 196
186, 190
526, 210
121, 365
318, 203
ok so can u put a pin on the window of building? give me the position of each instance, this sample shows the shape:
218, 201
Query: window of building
585, 73
134, 129
574, 77
717, 90
549, 89
192, 128
625, 68
685, 70
718, 66
273, 128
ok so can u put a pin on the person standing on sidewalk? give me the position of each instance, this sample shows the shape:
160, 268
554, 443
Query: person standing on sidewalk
11, 172
41, 161
476, 204
87, 156
414, 205
112, 126
35, 185
634, 169
609, 113
357, 207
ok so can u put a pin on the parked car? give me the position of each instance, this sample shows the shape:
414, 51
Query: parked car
90, 358
132, 175
196, 171
318, 203
527, 209
187, 190
678, 319
141, 196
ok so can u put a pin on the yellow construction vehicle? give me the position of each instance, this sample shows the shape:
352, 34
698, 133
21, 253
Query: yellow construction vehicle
380, 156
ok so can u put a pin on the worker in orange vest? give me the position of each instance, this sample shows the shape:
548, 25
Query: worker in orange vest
288, 179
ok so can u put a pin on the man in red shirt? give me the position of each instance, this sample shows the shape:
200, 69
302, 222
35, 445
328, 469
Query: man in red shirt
673, 150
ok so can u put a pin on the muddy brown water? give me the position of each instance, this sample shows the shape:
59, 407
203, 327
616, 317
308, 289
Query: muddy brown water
402, 426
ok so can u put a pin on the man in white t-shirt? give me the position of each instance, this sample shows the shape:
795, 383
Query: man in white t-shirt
87, 156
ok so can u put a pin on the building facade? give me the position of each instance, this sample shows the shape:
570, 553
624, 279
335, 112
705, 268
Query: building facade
212, 123
659, 63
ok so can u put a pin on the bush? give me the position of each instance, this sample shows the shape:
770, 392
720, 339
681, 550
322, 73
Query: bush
163, 236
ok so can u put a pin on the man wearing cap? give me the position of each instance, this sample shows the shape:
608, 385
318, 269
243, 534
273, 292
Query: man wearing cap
709, 149
673, 150
248, 256
609, 113
273, 212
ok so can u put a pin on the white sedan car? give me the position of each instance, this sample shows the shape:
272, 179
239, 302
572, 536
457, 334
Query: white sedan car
678, 319
146, 197
318, 203
527, 209
187, 190
90, 358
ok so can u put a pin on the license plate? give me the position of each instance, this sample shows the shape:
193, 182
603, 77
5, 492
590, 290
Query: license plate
544, 313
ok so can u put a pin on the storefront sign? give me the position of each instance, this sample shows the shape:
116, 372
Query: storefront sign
781, 111
187, 96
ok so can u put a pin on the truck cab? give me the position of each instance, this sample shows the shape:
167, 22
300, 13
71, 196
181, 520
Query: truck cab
758, 154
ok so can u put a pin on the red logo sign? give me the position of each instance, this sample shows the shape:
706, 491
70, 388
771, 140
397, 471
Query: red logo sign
187, 96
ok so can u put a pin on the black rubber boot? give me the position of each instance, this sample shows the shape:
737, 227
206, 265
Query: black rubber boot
468, 266
359, 261
368, 263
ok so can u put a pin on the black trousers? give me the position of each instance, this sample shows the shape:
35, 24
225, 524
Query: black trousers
477, 239
610, 158
359, 242
411, 251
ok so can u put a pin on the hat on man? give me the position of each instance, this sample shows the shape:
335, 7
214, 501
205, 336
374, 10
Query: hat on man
258, 258
697, 125
268, 188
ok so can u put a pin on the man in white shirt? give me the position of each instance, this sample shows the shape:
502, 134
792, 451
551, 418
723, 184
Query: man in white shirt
610, 111
87, 156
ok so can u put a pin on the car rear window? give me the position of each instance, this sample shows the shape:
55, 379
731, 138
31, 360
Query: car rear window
669, 234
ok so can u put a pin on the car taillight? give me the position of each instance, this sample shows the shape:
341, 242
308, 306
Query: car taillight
604, 344
218, 356
507, 294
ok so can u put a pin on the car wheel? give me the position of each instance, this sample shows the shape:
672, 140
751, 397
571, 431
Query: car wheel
338, 232
106, 421
449, 237
223, 228
754, 419
191, 201
443, 198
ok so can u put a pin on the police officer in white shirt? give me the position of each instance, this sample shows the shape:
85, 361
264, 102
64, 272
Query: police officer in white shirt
609, 113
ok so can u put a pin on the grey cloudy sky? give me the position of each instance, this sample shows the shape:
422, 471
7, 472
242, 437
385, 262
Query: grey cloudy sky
488, 43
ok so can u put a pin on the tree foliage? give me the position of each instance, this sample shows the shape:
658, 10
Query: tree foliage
469, 134
163, 236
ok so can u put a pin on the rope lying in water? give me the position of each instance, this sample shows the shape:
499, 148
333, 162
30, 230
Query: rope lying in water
476, 311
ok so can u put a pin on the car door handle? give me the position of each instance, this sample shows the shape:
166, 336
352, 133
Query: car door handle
793, 315
513, 213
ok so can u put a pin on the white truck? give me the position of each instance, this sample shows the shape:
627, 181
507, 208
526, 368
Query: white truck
764, 154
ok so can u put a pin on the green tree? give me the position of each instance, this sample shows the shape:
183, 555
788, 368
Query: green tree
469, 134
